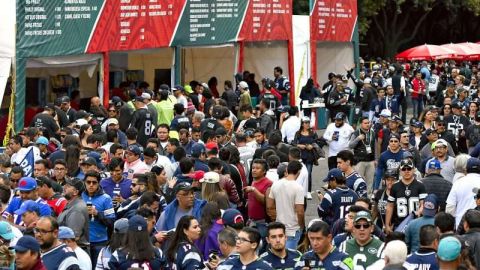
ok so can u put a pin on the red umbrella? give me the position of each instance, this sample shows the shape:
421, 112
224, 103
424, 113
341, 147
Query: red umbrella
475, 47
463, 51
425, 52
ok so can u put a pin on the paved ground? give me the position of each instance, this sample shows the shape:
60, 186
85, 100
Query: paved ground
318, 174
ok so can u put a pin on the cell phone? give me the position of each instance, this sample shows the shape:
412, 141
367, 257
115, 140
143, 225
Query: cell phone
213, 255
116, 191
335, 134
306, 263
89, 204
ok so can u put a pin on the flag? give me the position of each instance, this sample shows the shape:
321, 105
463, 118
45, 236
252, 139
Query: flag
28, 163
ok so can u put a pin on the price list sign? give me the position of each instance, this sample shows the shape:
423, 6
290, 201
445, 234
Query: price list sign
206, 22
55, 27
136, 24
267, 20
333, 20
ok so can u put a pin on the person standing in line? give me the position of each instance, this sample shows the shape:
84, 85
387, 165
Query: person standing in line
337, 135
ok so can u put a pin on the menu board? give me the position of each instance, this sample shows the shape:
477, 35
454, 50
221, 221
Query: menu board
333, 20
55, 27
136, 24
267, 20
207, 22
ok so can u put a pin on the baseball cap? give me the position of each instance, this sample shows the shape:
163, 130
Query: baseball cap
210, 178
231, 217
146, 96
178, 88
139, 99
386, 113
65, 233
394, 136
198, 149
429, 131
473, 165
80, 122
395, 118
243, 85
82, 114
28, 206
407, 154
434, 164
137, 223
450, 83
221, 131
367, 80
449, 249
27, 184
211, 145
418, 124
406, 163
182, 186
430, 205
363, 215
439, 142
111, 121
120, 226
42, 140
89, 161
307, 119
188, 89
27, 242
390, 174
134, 149
333, 173
6, 230
50, 106
64, 99
456, 105
76, 183
117, 101
197, 175
98, 159
340, 116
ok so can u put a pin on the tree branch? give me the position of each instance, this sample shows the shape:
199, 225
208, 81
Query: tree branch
415, 29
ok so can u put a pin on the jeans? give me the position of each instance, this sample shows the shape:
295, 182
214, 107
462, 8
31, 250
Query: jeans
292, 241
309, 169
95, 250
417, 106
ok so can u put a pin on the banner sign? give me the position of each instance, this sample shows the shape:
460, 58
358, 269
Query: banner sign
67, 27
333, 20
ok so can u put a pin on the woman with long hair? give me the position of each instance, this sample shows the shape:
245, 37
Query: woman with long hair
210, 223
428, 119
380, 199
138, 251
305, 139
211, 189
85, 131
182, 254
446, 110
118, 240
309, 93
472, 111
72, 158
153, 186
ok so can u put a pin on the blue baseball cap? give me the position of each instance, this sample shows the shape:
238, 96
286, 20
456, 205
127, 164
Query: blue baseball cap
65, 233
28, 206
137, 223
42, 140
333, 173
430, 205
198, 149
6, 230
434, 164
134, 149
473, 165
26, 243
231, 217
449, 249
27, 184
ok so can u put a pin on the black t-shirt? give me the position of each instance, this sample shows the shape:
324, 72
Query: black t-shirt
406, 199
142, 120
210, 123
381, 200
42, 120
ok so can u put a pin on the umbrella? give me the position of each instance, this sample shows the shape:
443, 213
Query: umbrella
425, 52
475, 47
463, 51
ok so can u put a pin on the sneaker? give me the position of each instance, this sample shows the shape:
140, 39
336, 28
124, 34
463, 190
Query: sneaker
309, 196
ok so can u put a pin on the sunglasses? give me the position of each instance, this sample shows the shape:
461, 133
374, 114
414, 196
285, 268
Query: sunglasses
394, 141
360, 226
406, 169
91, 182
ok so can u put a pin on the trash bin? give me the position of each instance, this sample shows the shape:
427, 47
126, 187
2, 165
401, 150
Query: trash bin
321, 118
254, 101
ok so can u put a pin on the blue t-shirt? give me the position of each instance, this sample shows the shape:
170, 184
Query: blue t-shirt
289, 262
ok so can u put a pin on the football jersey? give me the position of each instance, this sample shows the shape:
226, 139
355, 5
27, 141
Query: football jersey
423, 259
406, 199
335, 260
235, 263
363, 256
357, 184
142, 120
187, 258
456, 124
335, 204
293, 256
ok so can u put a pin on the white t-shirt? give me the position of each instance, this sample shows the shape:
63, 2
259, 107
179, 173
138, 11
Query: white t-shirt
84, 260
461, 195
272, 175
290, 127
344, 133
286, 194
302, 179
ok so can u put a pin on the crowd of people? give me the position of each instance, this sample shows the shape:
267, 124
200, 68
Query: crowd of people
190, 177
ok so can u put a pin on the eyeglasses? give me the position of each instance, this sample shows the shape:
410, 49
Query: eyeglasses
241, 240
406, 169
91, 182
59, 169
360, 226
41, 231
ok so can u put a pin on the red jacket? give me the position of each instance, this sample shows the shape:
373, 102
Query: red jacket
418, 88
39, 265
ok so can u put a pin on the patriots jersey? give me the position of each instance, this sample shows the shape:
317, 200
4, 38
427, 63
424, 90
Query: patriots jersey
363, 256
335, 260
423, 259
357, 184
287, 263
187, 258
235, 263
335, 204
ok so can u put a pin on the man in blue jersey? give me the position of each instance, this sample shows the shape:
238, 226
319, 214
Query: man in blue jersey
277, 255
389, 160
55, 255
323, 255
248, 241
345, 162
426, 256
336, 201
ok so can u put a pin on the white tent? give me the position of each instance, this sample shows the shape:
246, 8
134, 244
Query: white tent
7, 42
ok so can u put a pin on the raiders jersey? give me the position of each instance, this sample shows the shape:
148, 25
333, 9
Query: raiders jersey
142, 120
456, 124
406, 199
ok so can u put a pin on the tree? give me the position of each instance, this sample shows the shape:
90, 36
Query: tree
301, 7
387, 25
